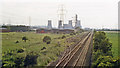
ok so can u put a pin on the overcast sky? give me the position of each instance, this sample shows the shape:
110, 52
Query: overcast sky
92, 13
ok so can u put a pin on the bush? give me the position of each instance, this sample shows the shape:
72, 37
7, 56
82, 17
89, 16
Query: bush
59, 37
63, 36
19, 61
48, 42
20, 51
47, 39
101, 42
10, 60
17, 42
106, 61
24, 38
102, 54
30, 60
43, 48
73, 33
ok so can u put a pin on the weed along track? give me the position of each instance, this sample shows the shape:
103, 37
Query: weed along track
77, 55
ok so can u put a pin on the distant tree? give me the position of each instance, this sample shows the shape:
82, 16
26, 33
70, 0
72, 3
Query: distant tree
8, 27
94, 31
47, 39
24, 38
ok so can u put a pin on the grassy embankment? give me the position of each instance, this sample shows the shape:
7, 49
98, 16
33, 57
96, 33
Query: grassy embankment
34, 45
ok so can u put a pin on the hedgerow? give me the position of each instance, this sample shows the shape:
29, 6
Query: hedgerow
102, 54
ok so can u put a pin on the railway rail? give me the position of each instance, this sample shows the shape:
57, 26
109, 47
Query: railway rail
77, 55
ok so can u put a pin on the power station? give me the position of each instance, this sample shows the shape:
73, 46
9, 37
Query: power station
66, 26
62, 27
61, 24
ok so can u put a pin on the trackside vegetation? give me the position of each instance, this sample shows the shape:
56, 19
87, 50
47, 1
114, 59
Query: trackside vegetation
28, 49
102, 55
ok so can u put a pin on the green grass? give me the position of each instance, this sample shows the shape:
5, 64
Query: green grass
113, 37
34, 44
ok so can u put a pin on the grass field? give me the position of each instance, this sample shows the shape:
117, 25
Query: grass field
33, 45
113, 37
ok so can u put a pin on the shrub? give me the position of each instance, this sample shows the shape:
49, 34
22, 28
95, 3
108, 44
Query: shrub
20, 51
106, 61
43, 48
102, 54
71, 33
10, 60
47, 39
48, 42
19, 61
74, 33
30, 60
101, 42
63, 36
59, 37
24, 38
17, 42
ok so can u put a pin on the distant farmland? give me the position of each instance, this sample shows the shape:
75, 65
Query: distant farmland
113, 37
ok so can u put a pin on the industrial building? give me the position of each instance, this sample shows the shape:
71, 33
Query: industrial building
15, 28
43, 30
4, 30
55, 31
69, 25
49, 26
62, 28
77, 22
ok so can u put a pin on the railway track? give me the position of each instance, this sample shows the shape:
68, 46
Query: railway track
77, 43
77, 55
